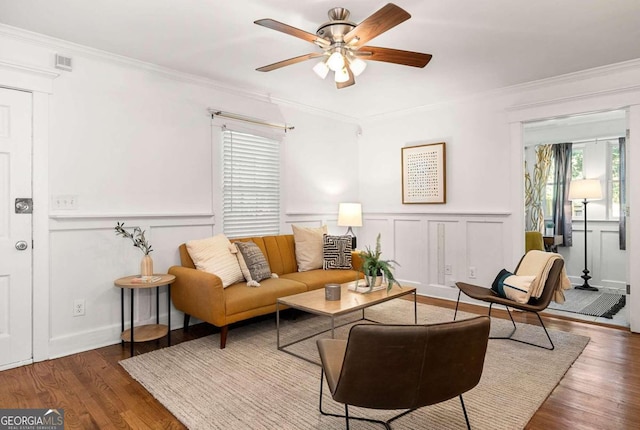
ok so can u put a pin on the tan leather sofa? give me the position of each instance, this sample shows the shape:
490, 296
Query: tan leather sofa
200, 294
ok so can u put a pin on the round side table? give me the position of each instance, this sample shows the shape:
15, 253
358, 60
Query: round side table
150, 331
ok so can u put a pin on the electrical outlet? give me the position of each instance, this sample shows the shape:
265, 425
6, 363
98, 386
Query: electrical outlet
472, 272
448, 270
78, 307
64, 202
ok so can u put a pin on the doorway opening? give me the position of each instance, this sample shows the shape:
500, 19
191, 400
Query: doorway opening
593, 146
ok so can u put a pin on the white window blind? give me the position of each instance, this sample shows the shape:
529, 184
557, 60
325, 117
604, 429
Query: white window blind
251, 185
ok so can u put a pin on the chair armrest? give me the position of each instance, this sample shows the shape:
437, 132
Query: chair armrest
199, 294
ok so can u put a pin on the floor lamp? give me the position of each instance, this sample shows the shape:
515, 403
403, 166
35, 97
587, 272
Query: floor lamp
350, 215
585, 190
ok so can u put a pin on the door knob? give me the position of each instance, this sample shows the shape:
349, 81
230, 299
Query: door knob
21, 245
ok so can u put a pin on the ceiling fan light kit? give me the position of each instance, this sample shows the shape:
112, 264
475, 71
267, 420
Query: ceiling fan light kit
342, 75
321, 69
357, 66
343, 44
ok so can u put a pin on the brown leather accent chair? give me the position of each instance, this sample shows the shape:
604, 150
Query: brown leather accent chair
392, 367
533, 305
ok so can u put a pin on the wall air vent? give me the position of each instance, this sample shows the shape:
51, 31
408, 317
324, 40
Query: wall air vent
63, 63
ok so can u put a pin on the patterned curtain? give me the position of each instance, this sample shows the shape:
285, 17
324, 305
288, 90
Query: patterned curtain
535, 188
561, 203
622, 230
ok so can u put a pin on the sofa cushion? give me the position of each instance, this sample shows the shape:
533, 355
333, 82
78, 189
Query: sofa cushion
336, 252
308, 242
253, 264
315, 279
216, 255
241, 298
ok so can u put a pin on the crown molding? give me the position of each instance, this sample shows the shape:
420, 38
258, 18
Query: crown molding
74, 48
527, 86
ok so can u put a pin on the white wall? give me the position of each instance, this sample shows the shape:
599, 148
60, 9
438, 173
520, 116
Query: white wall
134, 143
484, 215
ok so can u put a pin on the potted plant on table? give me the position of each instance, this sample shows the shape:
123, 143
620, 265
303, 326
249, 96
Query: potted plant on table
140, 242
375, 268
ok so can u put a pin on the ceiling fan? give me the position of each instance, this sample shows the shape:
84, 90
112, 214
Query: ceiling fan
343, 44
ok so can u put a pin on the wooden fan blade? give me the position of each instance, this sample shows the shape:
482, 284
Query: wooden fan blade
292, 31
351, 81
397, 56
289, 62
382, 20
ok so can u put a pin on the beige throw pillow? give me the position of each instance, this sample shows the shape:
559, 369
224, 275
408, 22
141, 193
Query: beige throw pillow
309, 243
216, 255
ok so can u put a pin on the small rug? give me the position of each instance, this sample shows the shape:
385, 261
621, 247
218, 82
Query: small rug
252, 385
593, 303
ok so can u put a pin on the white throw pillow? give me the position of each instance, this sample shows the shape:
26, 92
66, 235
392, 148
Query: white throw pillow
216, 255
309, 244
518, 287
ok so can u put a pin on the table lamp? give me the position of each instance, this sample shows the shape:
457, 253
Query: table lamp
350, 215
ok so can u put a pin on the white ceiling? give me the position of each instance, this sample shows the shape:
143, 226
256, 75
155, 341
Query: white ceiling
477, 45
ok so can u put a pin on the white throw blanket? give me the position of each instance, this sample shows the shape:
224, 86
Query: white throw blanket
538, 264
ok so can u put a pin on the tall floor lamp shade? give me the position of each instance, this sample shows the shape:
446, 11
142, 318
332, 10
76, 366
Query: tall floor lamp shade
350, 215
585, 190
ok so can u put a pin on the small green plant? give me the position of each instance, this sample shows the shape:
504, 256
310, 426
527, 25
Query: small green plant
373, 266
137, 237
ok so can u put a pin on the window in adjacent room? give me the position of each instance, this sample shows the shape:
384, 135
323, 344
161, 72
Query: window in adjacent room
613, 179
577, 172
577, 157
251, 185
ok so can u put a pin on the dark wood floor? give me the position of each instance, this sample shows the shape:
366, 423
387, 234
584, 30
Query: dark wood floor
600, 391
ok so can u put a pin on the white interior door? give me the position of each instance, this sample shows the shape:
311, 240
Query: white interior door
15, 229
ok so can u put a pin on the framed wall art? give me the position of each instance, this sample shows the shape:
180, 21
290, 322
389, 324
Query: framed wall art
424, 174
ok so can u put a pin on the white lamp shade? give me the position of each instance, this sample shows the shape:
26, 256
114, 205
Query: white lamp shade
321, 69
336, 61
357, 66
350, 215
585, 189
342, 75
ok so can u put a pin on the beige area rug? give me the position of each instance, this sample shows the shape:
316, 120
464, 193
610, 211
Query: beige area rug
252, 385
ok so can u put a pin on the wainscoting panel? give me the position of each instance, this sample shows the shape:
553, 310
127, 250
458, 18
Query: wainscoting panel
606, 262
435, 250
372, 226
86, 257
612, 267
408, 248
443, 267
485, 251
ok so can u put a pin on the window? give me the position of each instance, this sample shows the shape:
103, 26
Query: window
577, 157
577, 172
251, 185
613, 179
595, 159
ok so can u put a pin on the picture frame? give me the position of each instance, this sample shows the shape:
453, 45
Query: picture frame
424, 178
